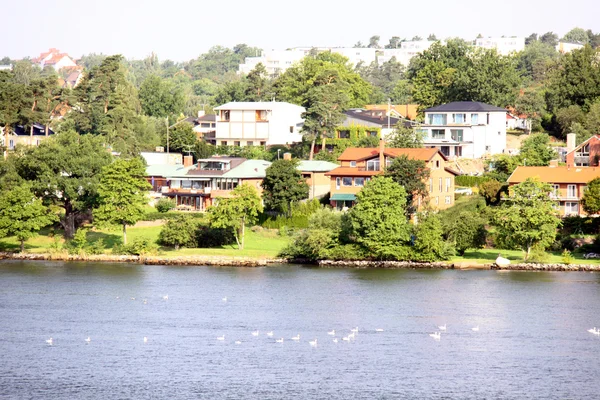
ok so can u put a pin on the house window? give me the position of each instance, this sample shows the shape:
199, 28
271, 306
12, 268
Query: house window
438, 134
572, 191
437, 164
306, 176
437, 119
223, 142
186, 184
261, 115
263, 143
459, 118
555, 190
346, 181
474, 119
249, 143
225, 115
291, 129
488, 118
343, 134
430, 185
373, 165
329, 148
337, 182
445, 150
359, 181
448, 184
371, 133
458, 151
437, 201
205, 125
353, 163
571, 207
457, 135
441, 185
448, 200
236, 143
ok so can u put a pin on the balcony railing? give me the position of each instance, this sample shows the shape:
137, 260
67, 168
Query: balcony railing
581, 159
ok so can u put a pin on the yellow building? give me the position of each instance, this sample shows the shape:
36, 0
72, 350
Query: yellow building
359, 165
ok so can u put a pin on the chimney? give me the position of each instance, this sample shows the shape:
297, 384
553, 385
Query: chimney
571, 141
201, 113
287, 156
188, 161
381, 156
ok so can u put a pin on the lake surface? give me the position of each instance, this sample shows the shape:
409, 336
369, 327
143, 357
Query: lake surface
532, 342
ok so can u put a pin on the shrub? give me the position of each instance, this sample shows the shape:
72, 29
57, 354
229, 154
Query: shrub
470, 181
153, 216
567, 257
164, 204
491, 190
205, 236
178, 232
138, 247
538, 254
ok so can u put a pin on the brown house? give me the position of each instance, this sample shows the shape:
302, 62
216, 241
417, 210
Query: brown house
587, 154
359, 165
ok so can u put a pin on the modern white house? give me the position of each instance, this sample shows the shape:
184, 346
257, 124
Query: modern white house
264, 123
466, 129
503, 45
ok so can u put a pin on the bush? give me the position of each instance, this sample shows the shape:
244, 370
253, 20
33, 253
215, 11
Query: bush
178, 232
567, 257
205, 237
491, 190
164, 204
538, 254
470, 181
153, 216
82, 246
138, 247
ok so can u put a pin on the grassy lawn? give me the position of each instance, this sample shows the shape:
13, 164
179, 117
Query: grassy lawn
487, 256
264, 244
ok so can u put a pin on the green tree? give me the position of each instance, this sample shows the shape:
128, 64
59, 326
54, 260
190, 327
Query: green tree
491, 191
536, 150
64, 170
411, 174
536, 59
501, 166
160, 98
14, 104
236, 212
282, 185
429, 242
123, 193
22, 214
378, 219
403, 137
576, 35
591, 197
549, 38
178, 232
527, 218
467, 231
182, 138
258, 84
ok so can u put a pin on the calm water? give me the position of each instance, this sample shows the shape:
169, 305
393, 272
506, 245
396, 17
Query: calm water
533, 340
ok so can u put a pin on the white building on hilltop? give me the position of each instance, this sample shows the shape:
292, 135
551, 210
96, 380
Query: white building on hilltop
566, 47
468, 129
261, 123
503, 45
405, 52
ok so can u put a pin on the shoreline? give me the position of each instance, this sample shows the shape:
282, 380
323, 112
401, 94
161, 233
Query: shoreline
229, 261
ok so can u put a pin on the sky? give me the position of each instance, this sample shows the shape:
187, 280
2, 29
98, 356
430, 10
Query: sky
183, 29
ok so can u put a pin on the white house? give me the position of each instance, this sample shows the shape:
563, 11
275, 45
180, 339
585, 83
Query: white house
466, 129
264, 123
503, 45
566, 47
54, 58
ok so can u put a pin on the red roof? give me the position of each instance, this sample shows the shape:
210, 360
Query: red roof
555, 174
352, 171
358, 153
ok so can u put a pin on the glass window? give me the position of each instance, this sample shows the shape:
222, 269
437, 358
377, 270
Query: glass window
571, 208
236, 143
474, 119
448, 184
225, 115
457, 135
437, 119
223, 142
205, 125
343, 134
459, 118
337, 183
353, 163
291, 129
373, 165
359, 181
371, 133
555, 190
346, 181
431, 184
448, 200
250, 143
186, 184
458, 151
441, 185
572, 191
261, 115
438, 134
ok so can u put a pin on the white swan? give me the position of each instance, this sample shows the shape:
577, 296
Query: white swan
238, 342
593, 330
145, 301
475, 329
442, 327
351, 336
224, 299
346, 338
166, 297
378, 330
255, 333
313, 342
88, 339
270, 333
145, 339
597, 332
297, 337
436, 335
354, 330
331, 332
335, 340
49, 341
280, 340
221, 337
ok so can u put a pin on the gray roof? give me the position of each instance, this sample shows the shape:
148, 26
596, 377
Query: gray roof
249, 169
166, 170
466, 106
316, 166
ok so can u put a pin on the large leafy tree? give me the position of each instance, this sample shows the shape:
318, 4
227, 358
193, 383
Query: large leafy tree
122, 193
160, 98
411, 174
591, 197
527, 218
466, 231
22, 214
378, 221
282, 185
236, 212
65, 170
182, 138
403, 137
257, 84
576, 35
14, 103
536, 150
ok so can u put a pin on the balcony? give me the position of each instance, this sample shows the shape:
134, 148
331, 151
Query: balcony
582, 159
185, 191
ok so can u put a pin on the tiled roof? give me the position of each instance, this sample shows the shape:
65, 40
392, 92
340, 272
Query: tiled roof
595, 137
249, 169
352, 171
358, 153
465, 106
372, 116
555, 174
166, 170
316, 166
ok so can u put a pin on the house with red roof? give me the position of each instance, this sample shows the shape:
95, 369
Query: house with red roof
54, 58
359, 165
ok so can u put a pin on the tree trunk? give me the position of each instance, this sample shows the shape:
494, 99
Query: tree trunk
68, 222
312, 149
124, 233
242, 232
22, 245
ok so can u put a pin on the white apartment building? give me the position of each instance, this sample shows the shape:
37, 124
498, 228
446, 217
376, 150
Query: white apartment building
405, 52
566, 47
466, 129
503, 45
258, 123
